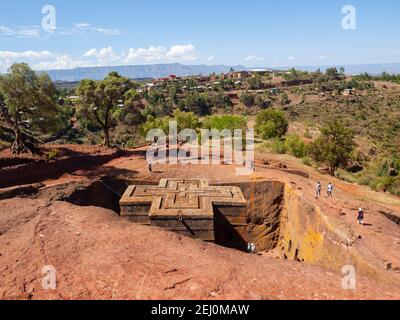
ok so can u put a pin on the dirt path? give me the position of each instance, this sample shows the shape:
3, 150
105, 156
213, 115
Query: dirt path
357, 192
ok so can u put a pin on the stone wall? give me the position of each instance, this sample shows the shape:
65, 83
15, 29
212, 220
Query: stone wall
308, 235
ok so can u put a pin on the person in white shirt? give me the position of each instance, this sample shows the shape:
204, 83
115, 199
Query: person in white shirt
330, 190
251, 247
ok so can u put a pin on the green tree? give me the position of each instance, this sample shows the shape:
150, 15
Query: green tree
27, 106
198, 103
101, 101
247, 99
158, 105
271, 123
225, 122
255, 82
173, 94
186, 120
262, 101
220, 100
285, 99
332, 72
155, 123
334, 147
131, 114
295, 145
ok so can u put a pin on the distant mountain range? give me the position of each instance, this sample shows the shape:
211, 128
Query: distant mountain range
180, 70
373, 69
139, 71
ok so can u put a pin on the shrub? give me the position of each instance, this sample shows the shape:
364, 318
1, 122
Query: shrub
278, 146
186, 120
385, 183
225, 122
307, 134
295, 145
198, 103
155, 123
285, 99
262, 102
271, 123
53, 154
307, 161
367, 180
220, 100
395, 187
247, 99
345, 176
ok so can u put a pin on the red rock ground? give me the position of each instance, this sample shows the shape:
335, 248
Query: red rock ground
98, 255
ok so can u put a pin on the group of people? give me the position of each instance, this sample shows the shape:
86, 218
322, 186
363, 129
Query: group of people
329, 191
251, 248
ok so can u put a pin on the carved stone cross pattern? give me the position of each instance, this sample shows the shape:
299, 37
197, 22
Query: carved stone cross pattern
179, 204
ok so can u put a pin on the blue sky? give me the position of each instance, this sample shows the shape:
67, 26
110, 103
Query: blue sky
250, 33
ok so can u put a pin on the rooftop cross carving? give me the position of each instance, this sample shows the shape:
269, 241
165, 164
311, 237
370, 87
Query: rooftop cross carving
189, 198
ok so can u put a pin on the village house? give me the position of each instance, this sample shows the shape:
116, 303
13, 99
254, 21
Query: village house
239, 75
348, 92
274, 91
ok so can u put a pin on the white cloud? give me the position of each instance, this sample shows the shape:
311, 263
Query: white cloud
291, 58
81, 25
28, 32
78, 29
147, 55
45, 60
320, 58
254, 58
24, 54
107, 32
5, 30
39, 60
61, 62
104, 56
160, 53
90, 53
210, 58
7, 58
20, 31
85, 29
182, 52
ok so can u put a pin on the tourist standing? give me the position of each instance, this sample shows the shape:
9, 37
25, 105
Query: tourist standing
330, 190
252, 166
319, 189
251, 248
360, 216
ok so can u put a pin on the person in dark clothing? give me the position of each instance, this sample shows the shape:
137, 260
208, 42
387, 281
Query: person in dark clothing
360, 216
